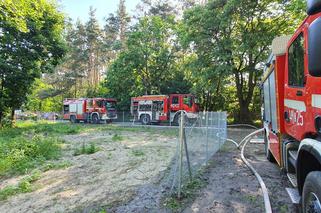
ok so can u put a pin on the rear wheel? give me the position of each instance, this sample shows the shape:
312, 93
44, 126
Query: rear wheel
73, 119
268, 153
311, 195
95, 119
145, 119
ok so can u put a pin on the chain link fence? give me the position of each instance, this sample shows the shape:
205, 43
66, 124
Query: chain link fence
198, 140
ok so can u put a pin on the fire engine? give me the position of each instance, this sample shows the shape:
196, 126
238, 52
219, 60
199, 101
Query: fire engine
156, 108
91, 110
292, 108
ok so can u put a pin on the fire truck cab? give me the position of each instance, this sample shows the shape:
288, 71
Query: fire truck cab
90, 110
156, 108
292, 108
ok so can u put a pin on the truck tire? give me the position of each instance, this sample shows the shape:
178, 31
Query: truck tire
311, 195
268, 153
145, 119
186, 120
95, 119
73, 119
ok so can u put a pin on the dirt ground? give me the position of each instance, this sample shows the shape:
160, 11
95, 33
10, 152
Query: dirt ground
125, 176
98, 181
233, 188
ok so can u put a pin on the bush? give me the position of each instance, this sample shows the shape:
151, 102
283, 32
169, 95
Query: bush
24, 186
88, 150
21, 154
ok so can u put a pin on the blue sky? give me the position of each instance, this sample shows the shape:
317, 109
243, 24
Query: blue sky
79, 8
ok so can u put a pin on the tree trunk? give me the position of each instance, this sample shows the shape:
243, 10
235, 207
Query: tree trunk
244, 116
12, 118
1, 115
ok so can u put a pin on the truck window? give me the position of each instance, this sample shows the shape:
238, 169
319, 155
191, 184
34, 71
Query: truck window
296, 62
100, 103
188, 101
110, 105
66, 109
90, 103
145, 108
175, 100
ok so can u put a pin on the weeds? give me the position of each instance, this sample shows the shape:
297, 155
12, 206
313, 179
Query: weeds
117, 137
88, 150
55, 166
138, 153
24, 186
20, 154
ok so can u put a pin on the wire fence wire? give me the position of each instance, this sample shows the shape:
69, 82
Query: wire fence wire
198, 141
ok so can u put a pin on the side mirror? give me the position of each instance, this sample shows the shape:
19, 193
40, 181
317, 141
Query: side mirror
314, 52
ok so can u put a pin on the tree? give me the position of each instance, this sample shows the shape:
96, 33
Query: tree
232, 38
31, 43
162, 8
148, 64
124, 20
94, 51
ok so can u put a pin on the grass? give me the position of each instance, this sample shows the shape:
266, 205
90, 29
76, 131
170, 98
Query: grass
117, 137
21, 154
55, 166
138, 153
189, 192
31, 144
88, 150
24, 186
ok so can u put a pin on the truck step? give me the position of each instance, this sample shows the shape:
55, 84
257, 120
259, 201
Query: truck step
293, 154
292, 179
294, 195
257, 141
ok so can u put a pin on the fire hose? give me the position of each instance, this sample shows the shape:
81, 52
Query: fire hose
267, 203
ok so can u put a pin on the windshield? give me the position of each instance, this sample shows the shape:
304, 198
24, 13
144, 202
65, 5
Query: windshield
110, 105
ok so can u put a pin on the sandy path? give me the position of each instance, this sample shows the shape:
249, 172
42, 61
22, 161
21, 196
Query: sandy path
232, 187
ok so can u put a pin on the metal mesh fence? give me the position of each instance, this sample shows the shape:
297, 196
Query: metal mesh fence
199, 139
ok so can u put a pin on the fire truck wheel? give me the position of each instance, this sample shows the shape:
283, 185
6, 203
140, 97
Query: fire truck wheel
268, 153
73, 119
95, 119
311, 195
145, 119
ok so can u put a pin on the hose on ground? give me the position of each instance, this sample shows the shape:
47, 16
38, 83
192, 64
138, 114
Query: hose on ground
267, 203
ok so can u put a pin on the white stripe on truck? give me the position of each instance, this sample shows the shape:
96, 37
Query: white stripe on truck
316, 101
294, 104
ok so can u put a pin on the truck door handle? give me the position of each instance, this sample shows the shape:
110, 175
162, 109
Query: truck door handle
299, 93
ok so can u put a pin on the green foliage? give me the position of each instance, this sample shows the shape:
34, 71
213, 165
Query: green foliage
31, 43
40, 98
117, 137
24, 186
227, 42
148, 65
138, 153
22, 153
88, 150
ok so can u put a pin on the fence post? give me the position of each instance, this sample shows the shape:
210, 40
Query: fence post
187, 156
123, 118
181, 141
206, 123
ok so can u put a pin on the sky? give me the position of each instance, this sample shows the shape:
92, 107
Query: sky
80, 8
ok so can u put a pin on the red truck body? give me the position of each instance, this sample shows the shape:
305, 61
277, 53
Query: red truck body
156, 108
90, 109
292, 107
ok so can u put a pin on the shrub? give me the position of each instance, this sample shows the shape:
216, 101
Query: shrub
91, 149
21, 154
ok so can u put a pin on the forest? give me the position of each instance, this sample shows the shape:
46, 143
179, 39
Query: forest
215, 49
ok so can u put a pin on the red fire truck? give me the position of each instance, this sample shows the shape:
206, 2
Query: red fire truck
155, 108
91, 110
292, 108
